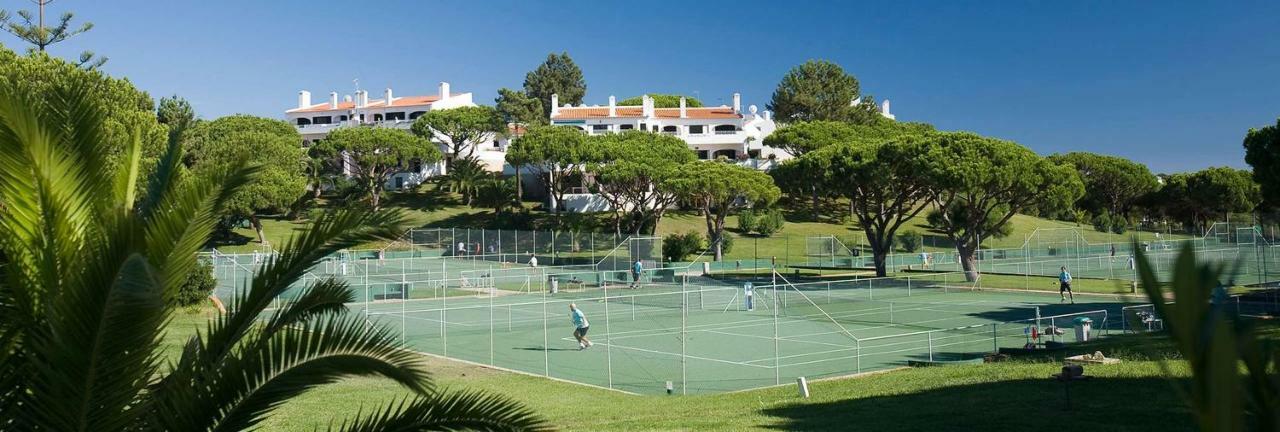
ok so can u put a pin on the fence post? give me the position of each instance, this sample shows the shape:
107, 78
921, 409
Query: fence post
930, 345
995, 341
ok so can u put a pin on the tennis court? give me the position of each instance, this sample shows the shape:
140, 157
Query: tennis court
689, 328
702, 338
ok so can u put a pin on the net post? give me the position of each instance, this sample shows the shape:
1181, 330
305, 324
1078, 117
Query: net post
608, 339
491, 296
546, 354
777, 368
684, 322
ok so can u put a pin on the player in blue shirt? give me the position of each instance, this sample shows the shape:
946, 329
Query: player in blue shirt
636, 269
1064, 285
580, 326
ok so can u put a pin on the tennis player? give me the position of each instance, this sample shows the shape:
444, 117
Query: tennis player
636, 269
580, 326
1064, 285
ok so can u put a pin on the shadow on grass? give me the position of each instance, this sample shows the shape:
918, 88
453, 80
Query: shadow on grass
1026, 404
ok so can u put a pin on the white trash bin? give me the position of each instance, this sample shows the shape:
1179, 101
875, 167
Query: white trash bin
1083, 326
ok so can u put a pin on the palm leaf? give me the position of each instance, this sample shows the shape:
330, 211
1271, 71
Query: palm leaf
327, 296
268, 372
450, 411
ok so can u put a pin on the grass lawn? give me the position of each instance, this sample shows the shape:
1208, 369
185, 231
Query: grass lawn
1014, 395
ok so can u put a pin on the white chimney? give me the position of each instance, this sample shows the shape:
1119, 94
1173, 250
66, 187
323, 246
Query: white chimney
362, 98
884, 110
555, 104
388, 97
304, 99
683, 112
613, 109
444, 90
333, 100
768, 115
737, 103
646, 107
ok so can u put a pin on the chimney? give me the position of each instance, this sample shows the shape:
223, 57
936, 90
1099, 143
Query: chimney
388, 97
362, 98
555, 104
768, 115
333, 100
613, 109
737, 103
683, 112
646, 107
444, 90
884, 110
304, 99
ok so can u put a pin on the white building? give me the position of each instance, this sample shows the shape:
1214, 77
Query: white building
315, 121
712, 132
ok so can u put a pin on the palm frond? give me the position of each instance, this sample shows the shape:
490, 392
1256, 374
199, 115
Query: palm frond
184, 218
327, 235
101, 352
261, 376
327, 296
447, 411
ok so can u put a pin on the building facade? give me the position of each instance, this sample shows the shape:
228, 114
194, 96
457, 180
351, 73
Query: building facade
723, 132
315, 121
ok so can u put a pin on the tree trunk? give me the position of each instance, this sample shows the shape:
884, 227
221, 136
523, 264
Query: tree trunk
519, 187
814, 202
968, 261
257, 227
880, 257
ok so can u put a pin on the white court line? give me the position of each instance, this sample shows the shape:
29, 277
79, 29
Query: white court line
671, 354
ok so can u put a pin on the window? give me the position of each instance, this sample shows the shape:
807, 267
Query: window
671, 130
395, 116
626, 127
727, 154
726, 130
702, 154
377, 117
304, 122
342, 118
322, 120
416, 114
599, 128
644, 127
697, 129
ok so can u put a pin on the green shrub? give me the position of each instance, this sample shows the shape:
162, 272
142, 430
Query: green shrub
1102, 222
746, 221
770, 222
198, 286
678, 247
910, 240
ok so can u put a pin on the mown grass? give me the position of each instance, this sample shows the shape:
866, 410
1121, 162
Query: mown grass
1017, 395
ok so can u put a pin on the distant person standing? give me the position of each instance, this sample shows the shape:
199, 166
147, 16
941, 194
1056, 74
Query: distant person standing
580, 326
462, 248
1113, 252
533, 260
1064, 285
636, 269
924, 260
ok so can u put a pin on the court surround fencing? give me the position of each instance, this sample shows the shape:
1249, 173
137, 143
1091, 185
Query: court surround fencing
680, 329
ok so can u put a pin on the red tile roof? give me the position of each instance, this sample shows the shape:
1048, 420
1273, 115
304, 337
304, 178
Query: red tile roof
635, 111
403, 101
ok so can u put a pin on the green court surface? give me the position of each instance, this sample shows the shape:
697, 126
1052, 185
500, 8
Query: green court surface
702, 339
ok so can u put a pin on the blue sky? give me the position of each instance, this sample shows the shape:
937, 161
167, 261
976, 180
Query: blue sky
1171, 84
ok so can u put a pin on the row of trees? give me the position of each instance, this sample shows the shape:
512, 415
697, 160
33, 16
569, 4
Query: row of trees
641, 175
